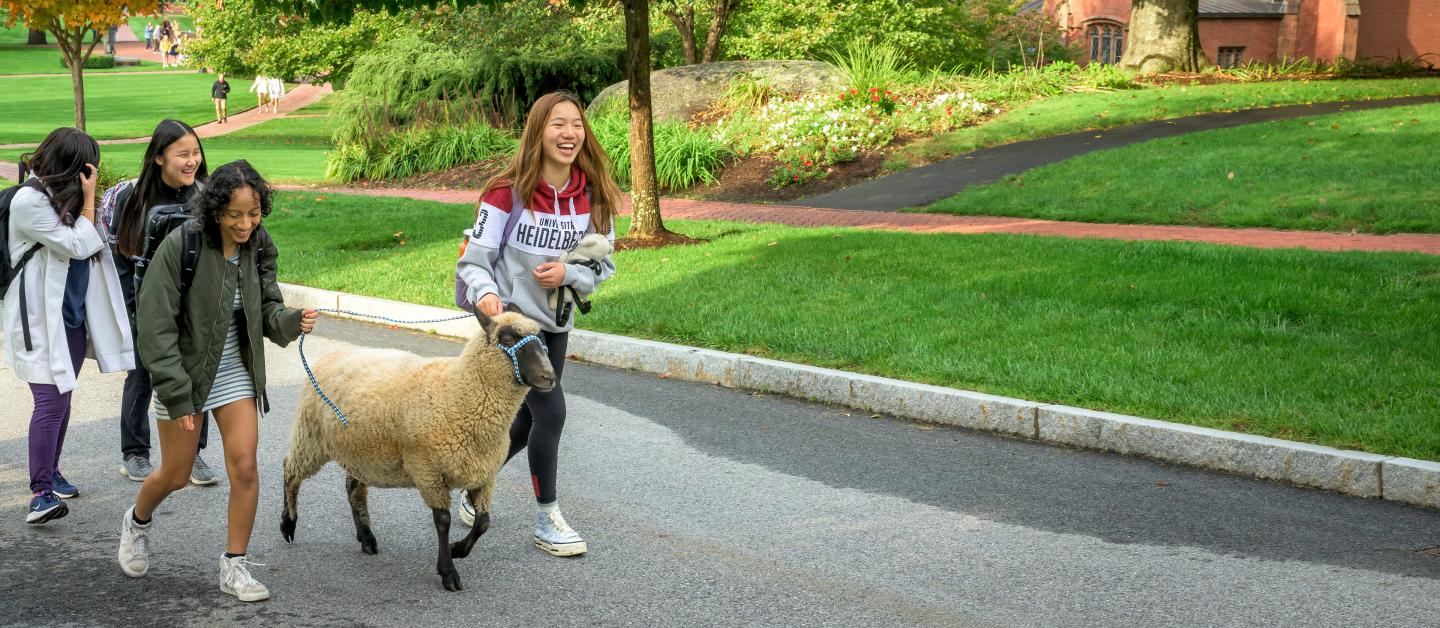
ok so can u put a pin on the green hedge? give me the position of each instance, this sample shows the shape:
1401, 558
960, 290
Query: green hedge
95, 62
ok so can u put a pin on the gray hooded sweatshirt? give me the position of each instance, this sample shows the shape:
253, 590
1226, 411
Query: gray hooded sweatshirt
551, 223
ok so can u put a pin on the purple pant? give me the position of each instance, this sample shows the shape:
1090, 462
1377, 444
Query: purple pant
52, 417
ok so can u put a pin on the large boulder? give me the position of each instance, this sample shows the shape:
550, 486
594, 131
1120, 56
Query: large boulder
680, 92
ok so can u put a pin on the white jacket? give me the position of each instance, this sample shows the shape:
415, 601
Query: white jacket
47, 361
276, 87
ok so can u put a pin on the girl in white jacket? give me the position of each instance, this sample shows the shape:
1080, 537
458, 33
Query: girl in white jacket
65, 303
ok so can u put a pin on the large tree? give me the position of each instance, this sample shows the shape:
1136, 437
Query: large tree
646, 224
682, 14
1164, 37
69, 21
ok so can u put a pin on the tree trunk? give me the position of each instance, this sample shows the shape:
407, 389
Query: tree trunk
723, 9
685, 24
1164, 36
645, 220
37, 38
76, 52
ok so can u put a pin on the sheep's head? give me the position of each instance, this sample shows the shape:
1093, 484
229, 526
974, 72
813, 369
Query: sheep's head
511, 328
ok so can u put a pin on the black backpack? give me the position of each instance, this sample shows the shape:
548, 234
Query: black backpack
9, 271
159, 222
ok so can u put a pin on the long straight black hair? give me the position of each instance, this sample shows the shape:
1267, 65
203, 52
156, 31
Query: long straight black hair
58, 163
130, 227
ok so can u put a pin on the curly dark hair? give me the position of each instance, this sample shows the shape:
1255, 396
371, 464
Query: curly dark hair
206, 206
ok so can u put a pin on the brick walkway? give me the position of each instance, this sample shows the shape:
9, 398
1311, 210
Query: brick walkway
677, 208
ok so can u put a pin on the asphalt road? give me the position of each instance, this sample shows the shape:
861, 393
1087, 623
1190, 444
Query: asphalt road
709, 506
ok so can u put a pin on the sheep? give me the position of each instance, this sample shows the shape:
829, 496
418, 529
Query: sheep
433, 424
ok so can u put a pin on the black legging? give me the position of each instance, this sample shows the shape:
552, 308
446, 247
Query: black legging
539, 422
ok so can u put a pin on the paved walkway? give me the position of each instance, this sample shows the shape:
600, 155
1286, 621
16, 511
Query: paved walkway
678, 208
924, 185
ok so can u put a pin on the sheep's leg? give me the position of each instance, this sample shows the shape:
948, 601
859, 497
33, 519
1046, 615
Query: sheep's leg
297, 470
359, 494
443, 565
480, 499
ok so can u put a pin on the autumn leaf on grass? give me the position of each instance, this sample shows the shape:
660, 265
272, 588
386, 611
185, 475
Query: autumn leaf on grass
1231, 175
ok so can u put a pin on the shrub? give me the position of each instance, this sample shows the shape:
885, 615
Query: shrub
95, 62
417, 151
866, 65
684, 157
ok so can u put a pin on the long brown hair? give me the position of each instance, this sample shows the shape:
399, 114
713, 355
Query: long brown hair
522, 176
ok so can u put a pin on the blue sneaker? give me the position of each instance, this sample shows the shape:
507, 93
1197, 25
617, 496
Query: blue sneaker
62, 488
46, 506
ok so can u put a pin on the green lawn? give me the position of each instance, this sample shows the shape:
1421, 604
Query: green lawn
22, 59
283, 150
324, 105
1080, 111
117, 106
1358, 170
1340, 349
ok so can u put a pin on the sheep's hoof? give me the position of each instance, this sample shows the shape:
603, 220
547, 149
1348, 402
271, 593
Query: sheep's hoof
287, 528
367, 543
460, 549
450, 578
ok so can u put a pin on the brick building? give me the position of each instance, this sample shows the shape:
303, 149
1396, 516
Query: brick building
1233, 32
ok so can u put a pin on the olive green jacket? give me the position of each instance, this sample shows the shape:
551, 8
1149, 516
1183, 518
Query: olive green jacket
180, 341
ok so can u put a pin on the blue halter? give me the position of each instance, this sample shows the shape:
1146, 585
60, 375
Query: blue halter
512, 349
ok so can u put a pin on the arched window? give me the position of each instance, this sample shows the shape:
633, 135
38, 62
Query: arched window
1107, 42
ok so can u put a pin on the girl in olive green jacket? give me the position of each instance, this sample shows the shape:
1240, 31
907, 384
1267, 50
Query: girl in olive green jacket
205, 354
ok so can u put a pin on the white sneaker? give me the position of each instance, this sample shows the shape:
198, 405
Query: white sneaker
236, 580
467, 512
134, 546
553, 535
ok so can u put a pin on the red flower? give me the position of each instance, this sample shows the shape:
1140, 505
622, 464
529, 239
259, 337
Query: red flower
854, 91
808, 163
874, 89
875, 98
887, 92
795, 178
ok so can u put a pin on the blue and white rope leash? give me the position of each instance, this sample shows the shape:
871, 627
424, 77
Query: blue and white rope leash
311, 374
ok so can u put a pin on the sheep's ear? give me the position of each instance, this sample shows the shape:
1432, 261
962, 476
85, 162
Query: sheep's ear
512, 308
486, 323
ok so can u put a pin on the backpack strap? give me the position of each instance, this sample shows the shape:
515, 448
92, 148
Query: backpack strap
189, 256
517, 207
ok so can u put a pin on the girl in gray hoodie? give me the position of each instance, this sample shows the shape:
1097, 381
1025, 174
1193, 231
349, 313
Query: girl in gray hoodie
557, 190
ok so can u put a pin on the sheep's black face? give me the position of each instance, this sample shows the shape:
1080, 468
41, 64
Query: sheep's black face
511, 328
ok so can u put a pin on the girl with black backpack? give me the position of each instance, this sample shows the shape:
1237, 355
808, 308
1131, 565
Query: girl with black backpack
65, 301
174, 170
205, 347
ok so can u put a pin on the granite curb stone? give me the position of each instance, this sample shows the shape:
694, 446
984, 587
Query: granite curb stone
1351, 472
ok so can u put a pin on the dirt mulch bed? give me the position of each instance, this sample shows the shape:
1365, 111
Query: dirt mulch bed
747, 180
467, 177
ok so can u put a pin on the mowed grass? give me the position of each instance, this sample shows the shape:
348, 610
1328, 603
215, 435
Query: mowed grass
116, 105
1340, 349
1081, 111
22, 59
282, 150
1362, 171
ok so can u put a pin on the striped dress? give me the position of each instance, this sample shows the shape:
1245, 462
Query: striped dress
232, 381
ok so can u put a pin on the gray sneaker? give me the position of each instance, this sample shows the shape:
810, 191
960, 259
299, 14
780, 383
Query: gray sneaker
200, 474
553, 535
136, 467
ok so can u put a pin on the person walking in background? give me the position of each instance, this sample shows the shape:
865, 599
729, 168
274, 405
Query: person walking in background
149, 37
65, 302
261, 87
110, 40
172, 49
276, 88
219, 92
